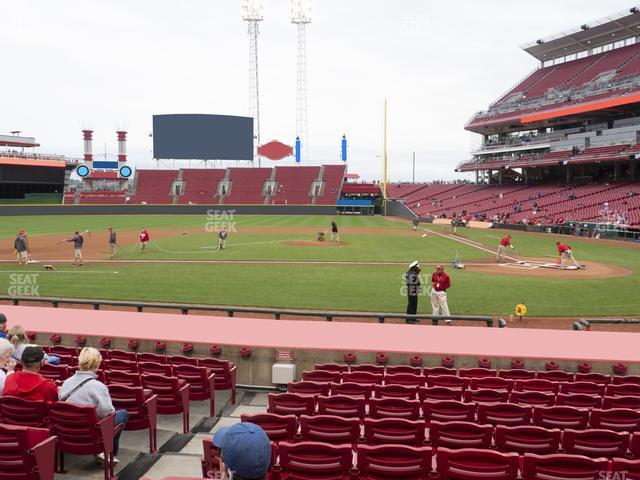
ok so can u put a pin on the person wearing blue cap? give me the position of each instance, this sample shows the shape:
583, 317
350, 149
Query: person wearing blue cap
245, 451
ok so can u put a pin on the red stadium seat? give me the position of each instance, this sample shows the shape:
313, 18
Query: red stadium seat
377, 369
555, 376
393, 369
225, 374
537, 385
448, 411
623, 390
508, 414
561, 417
621, 402
121, 365
533, 399
325, 376
152, 357
394, 430
180, 360
617, 419
210, 460
27, 453
600, 378
329, 429
153, 368
634, 446
622, 469
342, 406
314, 461
123, 378
578, 400
595, 443
55, 372
408, 379
634, 379
122, 355
279, 428
477, 373
81, 432
173, 396
493, 383
439, 393
527, 439
63, 350
395, 391
472, 464
449, 381
291, 404
142, 407
563, 467
517, 374
427, 371
309, 388
394, 408
20, 411
486, 396
363, 377
201, 381
586, 388
394, 462
351, 389
331, 367
460, 435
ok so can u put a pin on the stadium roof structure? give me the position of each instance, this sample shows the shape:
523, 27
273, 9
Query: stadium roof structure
609, 29
17, 141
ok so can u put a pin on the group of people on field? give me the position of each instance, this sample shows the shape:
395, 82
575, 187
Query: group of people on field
440, 282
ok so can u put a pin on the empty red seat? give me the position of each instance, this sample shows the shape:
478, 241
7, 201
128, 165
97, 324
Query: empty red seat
393, 369
329, 429
181, 360
537, 385
472, 464
225, 374
322, 376
409, 379
63, 350
624, 389
210, 460
314, 461
309, 388
365, 367
509, 414
622, 469
396, 391
122, 378
595, 443
493, 383
152, 357
587, 388
121, 365
579, 400
394, 430
20, 411
154, 368
291, 404
55, 372
486, 396
363, 377
621, 402
279, 428
532, 398
617, 419
460, 435
394, 408
634, 379
351, 389
26, 453
563, 467
634, 446
477, 373
121, 355
527, 439
561, 417
142, 407
331, 367
201, 383
449, 381
173, 396
439, 393
517, 374
427, 371
394, 462
555, 376
593, 377
342, 406
448, 411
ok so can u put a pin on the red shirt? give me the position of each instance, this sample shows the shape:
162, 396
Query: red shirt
441, 281
563, 248
31, 386
144, 236
505, 242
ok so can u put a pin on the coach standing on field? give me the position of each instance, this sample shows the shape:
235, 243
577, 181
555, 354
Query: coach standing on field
502, 248
441, 281
21, 245
412, 279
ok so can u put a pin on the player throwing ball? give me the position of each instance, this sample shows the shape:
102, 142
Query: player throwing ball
502, 248
21, 246
441, 281
566, 255
144, 240
78, 242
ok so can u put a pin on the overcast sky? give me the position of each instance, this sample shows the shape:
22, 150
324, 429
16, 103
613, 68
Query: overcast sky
107, 63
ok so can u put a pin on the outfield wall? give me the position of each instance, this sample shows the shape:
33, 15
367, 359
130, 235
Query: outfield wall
20, 210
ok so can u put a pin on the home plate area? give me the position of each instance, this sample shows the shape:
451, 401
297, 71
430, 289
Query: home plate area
531, 265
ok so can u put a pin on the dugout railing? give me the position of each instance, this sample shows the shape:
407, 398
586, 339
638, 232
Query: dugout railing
231, 311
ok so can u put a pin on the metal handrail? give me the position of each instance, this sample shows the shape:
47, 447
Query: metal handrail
231, 311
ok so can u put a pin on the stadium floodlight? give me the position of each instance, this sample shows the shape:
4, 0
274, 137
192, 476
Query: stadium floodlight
252, 14
252, 10
301, 16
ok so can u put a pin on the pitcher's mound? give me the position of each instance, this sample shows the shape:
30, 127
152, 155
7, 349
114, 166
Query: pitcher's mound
313, 243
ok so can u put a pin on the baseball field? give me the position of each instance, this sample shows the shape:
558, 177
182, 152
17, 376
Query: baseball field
276, 261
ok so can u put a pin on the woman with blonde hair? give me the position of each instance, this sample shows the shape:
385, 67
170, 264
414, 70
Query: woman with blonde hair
7, 363
84, 388
18, 337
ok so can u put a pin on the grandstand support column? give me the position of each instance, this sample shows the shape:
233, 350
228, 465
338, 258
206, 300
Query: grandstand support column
88, 148
500, 177
476, 177
122, 147
616, 171
568, 173
633, 169
490, 174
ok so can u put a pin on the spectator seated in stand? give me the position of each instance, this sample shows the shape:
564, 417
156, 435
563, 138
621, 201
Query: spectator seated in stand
18, 337
7, 363
245, 450
84, 388
28, 383
3, 325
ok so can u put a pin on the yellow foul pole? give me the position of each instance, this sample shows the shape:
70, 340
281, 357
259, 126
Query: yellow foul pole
384, 177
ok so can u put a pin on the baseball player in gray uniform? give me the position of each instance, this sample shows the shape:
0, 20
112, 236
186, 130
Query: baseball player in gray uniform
21, 246
78, 241
112, 242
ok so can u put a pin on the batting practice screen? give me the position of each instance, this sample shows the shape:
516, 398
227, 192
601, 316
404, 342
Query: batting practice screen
202, 137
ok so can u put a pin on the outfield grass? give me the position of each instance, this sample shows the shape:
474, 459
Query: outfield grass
326, 286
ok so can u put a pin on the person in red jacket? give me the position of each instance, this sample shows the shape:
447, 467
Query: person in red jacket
502, 248
28, 383
144, 240
441, 281
566, 255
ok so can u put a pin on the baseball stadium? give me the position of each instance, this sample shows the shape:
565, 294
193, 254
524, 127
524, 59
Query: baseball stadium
242, 309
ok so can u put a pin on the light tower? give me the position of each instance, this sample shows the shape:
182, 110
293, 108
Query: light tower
301, 16
252, 14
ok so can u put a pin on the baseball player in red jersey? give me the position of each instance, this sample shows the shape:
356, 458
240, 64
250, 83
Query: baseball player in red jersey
144, 240
502, 249
566, 256
441, 281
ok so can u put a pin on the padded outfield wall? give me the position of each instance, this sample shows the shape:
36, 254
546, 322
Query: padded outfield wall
20, 210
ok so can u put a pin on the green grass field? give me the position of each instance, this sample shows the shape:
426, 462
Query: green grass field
370, 286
